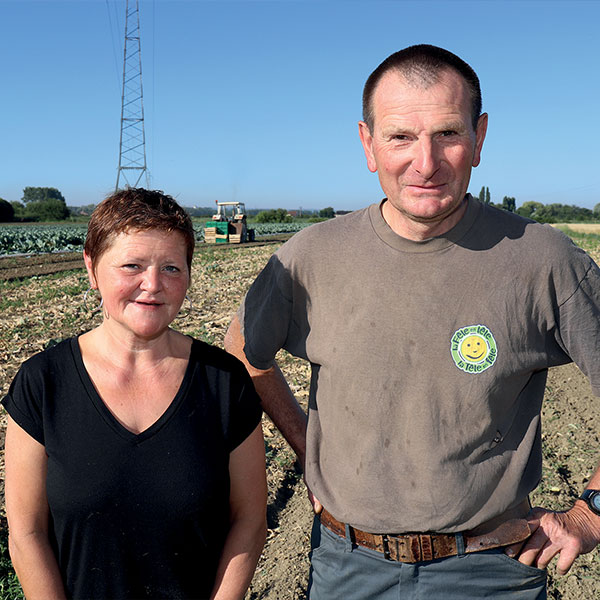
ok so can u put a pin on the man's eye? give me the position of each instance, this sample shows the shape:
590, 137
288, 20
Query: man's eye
172, 269
130, 266
448, 133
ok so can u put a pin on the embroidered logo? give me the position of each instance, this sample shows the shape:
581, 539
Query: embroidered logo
473, 348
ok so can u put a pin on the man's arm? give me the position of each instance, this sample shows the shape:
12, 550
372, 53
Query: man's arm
277, 398
568, 534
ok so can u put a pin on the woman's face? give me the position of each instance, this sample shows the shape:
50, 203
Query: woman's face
142, 278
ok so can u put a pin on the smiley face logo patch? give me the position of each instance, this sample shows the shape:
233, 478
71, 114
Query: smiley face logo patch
473, 348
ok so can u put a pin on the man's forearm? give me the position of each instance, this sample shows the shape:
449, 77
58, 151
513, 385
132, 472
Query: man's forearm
277, 398
279, 403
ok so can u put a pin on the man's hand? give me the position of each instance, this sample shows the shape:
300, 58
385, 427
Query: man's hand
568, 534
317, 506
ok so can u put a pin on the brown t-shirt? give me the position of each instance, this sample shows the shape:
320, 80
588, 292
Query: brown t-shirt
429, 359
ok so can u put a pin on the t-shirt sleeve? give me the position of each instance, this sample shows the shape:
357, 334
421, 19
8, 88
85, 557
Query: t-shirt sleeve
265, 314
245, 410
579, 322
24, 400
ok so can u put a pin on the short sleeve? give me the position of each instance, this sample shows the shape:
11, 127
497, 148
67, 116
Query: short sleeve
245, 410
24, 400
265, 314
579, 324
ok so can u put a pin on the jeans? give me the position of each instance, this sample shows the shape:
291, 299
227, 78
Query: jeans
341, 570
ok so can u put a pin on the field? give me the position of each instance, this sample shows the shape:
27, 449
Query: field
35, 309
35, 239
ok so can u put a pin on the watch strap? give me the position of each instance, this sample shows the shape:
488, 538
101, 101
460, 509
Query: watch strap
592, 499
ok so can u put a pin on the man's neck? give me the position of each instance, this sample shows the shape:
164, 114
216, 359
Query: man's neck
419, 231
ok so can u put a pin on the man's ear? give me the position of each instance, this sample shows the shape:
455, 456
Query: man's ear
480, 132
90, 271
367, 142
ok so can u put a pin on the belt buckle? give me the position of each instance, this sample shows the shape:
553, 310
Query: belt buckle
406, 548
385, 539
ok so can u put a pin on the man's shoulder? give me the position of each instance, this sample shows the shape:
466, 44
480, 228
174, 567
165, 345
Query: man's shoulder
510, 222
530, 242
330, 232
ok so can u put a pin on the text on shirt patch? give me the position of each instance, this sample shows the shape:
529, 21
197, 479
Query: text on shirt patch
473, 348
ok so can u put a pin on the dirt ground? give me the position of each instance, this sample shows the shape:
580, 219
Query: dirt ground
42, 307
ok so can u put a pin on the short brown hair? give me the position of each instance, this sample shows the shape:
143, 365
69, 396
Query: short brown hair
422, 62
136, 209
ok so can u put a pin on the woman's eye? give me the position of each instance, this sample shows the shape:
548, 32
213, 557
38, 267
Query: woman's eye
130, 266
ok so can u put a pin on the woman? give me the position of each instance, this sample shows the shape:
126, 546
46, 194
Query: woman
134, 454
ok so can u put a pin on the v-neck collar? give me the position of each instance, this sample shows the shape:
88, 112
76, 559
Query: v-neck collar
107, 415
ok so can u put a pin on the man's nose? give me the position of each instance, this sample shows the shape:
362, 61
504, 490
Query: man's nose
425, 160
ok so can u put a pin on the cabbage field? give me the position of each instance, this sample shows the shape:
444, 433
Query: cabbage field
36, 239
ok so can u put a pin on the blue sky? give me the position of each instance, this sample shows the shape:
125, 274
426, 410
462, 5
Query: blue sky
258, 101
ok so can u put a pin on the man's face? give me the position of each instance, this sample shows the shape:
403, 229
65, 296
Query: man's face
423, 147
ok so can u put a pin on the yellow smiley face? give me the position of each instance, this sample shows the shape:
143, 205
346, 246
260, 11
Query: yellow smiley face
473, 348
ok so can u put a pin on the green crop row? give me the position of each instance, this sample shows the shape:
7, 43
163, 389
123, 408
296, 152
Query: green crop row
39, 239
35, 239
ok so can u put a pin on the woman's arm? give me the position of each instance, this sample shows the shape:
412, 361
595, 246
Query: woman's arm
247, 502
27, 512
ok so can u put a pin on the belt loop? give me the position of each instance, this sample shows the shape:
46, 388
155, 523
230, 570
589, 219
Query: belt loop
460, 544
348, 545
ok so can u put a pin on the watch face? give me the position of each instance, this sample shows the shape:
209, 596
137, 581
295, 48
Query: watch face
595, 501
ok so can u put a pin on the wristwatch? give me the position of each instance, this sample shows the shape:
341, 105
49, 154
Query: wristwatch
592, 497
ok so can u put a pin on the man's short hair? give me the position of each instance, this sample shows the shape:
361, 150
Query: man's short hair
422, 63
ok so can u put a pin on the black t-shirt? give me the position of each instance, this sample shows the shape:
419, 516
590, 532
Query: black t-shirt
136, 516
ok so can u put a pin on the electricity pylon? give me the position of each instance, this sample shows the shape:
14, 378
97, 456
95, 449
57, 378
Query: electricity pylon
132, 145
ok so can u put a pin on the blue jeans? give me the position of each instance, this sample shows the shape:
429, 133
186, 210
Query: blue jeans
340, 570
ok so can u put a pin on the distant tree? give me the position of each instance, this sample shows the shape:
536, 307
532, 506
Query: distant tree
41, 194
200, 211
530, 209
509, 204
482, 194
44, 204
7, 212
18, 209
277, 215
84, 211
597, 211
327, 213
47, 210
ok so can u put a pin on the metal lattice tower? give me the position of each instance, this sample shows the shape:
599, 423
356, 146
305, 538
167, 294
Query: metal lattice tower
132, 145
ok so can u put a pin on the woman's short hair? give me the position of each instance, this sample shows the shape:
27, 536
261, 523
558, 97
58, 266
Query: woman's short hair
136, 209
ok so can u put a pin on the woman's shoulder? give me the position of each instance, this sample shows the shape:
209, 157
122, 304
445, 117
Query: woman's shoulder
214, 356
53, 356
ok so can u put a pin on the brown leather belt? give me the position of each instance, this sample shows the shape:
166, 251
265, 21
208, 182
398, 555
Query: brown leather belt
418, 547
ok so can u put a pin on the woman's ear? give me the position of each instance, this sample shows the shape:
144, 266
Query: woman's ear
90, 270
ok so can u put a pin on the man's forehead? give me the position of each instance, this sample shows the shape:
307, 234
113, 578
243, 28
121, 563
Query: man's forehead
415, 81
449, 91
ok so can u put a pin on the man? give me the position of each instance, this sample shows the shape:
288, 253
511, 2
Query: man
430, 321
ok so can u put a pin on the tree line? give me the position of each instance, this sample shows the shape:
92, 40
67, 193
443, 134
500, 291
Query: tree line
543, 213
37, 204
48, 204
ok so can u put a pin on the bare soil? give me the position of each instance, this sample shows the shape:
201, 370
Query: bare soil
36, 309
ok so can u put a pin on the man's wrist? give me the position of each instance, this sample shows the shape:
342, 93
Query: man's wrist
592, 499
